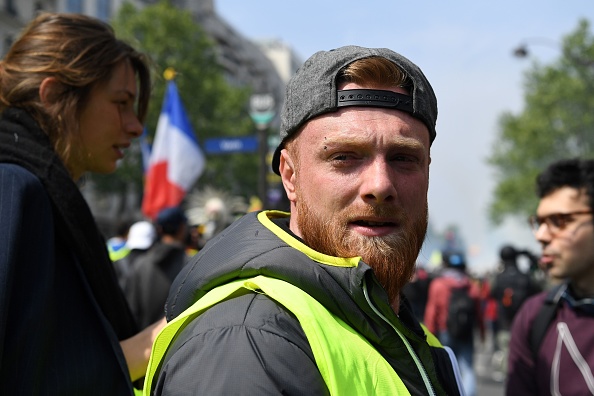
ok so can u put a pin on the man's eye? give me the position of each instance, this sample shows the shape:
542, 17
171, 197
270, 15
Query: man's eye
559, 221
342, 156
554, 220
404, 158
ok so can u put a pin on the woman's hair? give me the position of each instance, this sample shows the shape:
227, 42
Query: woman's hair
80, 52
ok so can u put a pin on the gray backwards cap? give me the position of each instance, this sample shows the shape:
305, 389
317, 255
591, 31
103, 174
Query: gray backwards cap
312, 91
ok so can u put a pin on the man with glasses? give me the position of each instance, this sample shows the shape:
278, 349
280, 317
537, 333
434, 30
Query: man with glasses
559, 361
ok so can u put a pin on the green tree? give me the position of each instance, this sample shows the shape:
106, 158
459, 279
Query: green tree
172, 38
557, 122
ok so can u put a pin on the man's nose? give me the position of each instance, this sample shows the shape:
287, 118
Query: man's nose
378, 182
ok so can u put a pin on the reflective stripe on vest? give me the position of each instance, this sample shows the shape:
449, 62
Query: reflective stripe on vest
351, 366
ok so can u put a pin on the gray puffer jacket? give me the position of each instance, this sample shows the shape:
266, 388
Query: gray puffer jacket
252, 345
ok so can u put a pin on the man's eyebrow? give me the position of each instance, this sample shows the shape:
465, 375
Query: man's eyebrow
401, 141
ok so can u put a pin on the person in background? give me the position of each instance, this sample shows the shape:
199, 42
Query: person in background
150, 278
194, 240
453, 323
309, 302
489, 315
489, 309
116, 245
72, 97
511, 288
559, 360
417, 290
141, 237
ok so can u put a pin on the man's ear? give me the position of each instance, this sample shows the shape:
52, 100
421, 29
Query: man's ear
287, 172
49, 91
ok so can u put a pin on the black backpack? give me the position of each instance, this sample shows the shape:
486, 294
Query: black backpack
461, 313
514, 289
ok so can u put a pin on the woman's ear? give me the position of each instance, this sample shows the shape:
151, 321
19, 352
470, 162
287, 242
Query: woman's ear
49, 91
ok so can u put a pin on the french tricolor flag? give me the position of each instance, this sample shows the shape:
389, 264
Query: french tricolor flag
176, 161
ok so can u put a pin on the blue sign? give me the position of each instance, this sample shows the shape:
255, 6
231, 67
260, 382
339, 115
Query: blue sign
244, 144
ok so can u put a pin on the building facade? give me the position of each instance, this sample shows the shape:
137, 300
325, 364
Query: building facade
244, 62
264, 66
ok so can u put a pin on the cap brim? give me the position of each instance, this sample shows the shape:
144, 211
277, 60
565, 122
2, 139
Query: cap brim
276, 159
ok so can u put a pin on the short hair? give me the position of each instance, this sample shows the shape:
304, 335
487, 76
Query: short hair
508, 254
123, 226
454, 259
374, 70
80, 52
575, 173
170, 219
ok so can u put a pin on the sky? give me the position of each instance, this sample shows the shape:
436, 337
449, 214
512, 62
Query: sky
465, 48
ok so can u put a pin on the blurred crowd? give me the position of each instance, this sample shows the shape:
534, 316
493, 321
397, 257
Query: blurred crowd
497, 297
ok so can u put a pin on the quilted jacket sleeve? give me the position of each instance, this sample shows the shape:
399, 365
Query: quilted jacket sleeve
248, 345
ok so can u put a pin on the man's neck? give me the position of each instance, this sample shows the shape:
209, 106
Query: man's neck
583, 288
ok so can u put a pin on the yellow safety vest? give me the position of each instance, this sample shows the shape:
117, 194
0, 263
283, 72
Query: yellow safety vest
351, 366
119, 254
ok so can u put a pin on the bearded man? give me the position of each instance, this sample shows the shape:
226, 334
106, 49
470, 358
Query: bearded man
310, 302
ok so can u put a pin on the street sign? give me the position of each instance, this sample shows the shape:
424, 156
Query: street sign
244, 144
261, 103
262, 109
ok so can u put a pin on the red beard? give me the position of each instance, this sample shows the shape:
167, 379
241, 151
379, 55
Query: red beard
392, 257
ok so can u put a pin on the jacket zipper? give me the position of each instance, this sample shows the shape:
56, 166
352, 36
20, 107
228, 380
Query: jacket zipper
411, 351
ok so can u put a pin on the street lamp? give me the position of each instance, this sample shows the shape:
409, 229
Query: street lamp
262, 111
581, 67
521, 51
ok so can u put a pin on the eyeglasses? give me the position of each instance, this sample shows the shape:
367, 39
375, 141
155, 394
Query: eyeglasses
555, 221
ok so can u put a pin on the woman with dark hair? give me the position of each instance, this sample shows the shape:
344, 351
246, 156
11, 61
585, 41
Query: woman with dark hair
72, 97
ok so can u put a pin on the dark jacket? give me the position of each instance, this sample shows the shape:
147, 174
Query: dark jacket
511, 287
149, 281
61, 311
566, 355
251, 345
